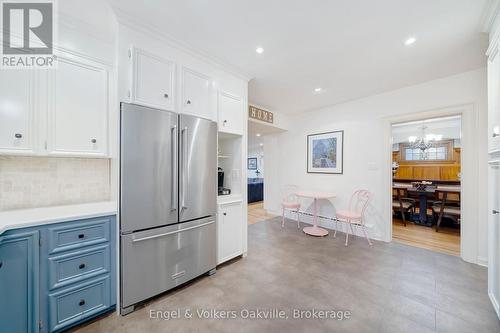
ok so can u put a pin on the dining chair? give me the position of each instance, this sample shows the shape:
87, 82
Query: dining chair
401, 203
354, 215
447, 206
290, 202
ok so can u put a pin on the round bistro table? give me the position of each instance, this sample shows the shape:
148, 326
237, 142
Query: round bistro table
315, 195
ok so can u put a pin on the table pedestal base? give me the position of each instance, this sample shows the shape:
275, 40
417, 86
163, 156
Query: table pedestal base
315, 231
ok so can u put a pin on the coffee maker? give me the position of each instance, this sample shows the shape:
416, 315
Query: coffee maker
220, 183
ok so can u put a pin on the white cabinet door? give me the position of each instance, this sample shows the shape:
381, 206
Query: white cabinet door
494, 103
17, 111
230, 113
494, 235
152, 80
196, 94
230, 231
78, 109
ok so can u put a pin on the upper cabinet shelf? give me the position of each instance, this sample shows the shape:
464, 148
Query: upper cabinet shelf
78, 108
153, 80
230, 113
196, 94
156, 83
62, 111
17, 111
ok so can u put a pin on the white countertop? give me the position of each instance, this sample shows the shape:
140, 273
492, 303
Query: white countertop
22, 218
230, 198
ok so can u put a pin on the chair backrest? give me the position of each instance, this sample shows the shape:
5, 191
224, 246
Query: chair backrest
399, 193
359, 201
448, 197
288, 193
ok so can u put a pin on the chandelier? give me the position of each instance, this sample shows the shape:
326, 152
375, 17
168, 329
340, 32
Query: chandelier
424, 142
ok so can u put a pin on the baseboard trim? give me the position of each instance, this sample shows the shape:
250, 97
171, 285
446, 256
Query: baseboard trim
494, 302
482, 261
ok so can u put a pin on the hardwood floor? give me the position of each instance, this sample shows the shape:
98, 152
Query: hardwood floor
447, 240
257, 213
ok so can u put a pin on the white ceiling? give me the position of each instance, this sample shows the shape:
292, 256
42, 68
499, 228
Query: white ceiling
257, 128
351, 48
448, 127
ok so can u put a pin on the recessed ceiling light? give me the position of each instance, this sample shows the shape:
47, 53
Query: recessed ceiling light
410, 41
258, 134
318, 90
259, 50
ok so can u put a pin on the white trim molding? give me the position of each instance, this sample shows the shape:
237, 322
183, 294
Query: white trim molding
470, 185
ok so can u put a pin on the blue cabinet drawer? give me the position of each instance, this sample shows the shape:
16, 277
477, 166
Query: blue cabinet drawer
77, 235
76, 266
72, 305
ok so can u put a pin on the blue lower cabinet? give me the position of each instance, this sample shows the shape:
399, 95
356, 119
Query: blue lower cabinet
75, 304
19, 282
56, 276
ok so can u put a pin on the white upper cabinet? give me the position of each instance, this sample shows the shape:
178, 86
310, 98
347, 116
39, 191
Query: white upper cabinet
230, 113
494, 103
78, 108
152, 80
17, 111
196, 94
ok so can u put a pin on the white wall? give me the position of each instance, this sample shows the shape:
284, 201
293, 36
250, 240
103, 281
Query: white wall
259, 154
367, 146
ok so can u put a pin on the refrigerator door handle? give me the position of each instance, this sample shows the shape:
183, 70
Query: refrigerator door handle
183, 166
135, 240
173, 191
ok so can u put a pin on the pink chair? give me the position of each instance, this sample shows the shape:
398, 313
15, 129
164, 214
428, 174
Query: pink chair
290, 202
355, 214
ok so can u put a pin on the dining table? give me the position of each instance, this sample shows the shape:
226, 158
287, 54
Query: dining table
315, 230
423, 196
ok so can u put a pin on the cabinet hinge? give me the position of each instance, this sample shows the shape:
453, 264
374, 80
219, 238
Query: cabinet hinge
45, 144
129, 53
40, 241
128, 93
40, 325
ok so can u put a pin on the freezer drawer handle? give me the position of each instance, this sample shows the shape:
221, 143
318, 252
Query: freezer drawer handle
172, 232
178, 275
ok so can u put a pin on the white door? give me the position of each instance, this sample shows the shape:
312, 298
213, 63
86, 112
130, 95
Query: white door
494, 235
230, 231
17, 111
494, 103
230, 117
196, 93
78, 109
152, 80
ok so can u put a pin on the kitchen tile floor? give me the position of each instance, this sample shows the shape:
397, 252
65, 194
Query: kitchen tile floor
386, 287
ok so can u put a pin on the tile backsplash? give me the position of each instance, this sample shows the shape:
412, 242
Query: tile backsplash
28, 182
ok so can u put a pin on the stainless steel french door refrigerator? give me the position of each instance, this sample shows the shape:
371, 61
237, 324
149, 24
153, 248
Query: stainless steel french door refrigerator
168, 194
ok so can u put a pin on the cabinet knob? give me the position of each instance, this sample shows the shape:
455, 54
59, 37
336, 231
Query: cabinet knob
81, 236
165, 95
188, 102
225, 122
82, 302
495, 135
82, 266
224, 214
18, 135
93, 140
495, 212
